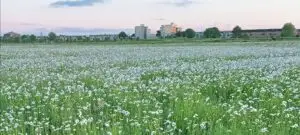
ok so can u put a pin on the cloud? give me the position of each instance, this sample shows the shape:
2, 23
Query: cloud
73, 3
179, 3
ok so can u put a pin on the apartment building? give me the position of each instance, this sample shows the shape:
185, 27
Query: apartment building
169, 30
142, 32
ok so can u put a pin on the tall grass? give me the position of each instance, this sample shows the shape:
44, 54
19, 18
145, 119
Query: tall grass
151, 90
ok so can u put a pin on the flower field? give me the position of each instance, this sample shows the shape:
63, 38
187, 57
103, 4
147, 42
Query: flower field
213, 89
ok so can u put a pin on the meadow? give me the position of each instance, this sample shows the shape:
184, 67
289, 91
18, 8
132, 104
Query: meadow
180, 89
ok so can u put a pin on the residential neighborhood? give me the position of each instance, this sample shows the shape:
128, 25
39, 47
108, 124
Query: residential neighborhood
143, 32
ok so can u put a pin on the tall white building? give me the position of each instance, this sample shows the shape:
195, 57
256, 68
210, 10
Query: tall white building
142, 32
169, 29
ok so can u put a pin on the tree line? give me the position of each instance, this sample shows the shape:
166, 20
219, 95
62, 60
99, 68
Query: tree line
288, 30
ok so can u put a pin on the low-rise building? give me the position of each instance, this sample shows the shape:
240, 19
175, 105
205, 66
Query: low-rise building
226, 34
262, 33
199, 35
63, 38
148, 34
151, 36
11, 35
74, 38
103, 37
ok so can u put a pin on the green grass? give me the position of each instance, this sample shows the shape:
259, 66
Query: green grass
227, 102
158, 42
180, 102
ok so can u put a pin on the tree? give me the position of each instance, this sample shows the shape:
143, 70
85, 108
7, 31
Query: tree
42, 39
237, 32
178, 34
115, 38
245, 36
158, 34
288, 30
79, 38
190, 33
52, 36
24, 38
212, 33
132, 36
183, 34
122, 35
32, 38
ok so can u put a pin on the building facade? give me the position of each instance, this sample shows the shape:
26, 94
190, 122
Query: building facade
142, 32
104, 37
85, 38
226, 34
262, 33
199, 35
169, 30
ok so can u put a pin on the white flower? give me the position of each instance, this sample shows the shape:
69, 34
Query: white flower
284, 103
295, 126
263, 130
206, 100
106, 124
76, 121
203, 125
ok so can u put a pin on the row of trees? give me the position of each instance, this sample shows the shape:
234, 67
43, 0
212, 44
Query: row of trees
52, 37
190, 33
122, 35
29, 38
288, 30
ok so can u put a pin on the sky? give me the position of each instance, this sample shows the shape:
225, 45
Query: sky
113, 16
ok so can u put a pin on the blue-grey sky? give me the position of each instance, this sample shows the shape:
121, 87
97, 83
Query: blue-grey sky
111, 16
